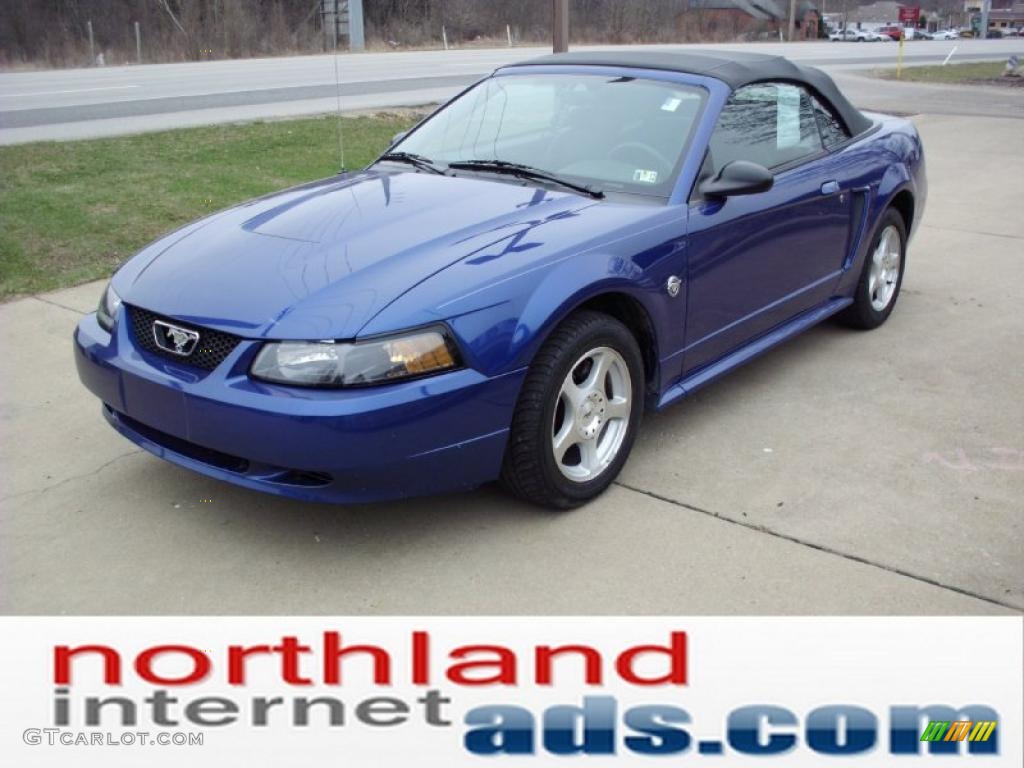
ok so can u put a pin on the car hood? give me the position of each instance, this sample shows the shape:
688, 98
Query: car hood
318, 261
321, 260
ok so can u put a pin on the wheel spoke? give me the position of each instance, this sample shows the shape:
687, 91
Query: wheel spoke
878, 257
618, 408
602, 364
573, 394
875, 276
886, 245
565, 439
894, 247
588, 455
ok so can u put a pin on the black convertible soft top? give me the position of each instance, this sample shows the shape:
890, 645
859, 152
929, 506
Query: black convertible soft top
734, 68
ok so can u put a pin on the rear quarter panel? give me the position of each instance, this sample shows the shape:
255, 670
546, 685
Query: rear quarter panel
887, 161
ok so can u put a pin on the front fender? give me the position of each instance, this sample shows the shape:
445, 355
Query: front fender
501, 322
572, 284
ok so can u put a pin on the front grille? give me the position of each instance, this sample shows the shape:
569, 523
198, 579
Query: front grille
220, 460
210, 350
185, 448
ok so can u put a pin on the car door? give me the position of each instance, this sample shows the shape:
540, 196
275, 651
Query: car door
757, 260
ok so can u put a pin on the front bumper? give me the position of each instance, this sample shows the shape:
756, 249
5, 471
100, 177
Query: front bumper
433, 435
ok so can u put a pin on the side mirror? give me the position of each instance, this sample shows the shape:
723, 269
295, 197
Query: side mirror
740, 177
398, 137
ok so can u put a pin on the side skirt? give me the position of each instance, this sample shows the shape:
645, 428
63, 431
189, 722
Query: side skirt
748, 352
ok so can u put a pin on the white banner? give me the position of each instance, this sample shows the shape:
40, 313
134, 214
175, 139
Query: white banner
262, 691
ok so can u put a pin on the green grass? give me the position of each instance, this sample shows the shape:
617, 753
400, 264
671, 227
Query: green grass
72, 211
951, 73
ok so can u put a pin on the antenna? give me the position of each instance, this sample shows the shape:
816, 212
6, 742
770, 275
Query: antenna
337, 91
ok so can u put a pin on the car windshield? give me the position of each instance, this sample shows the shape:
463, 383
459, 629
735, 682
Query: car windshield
611, 134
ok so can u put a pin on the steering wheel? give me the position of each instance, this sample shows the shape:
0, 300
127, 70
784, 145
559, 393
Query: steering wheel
661, 162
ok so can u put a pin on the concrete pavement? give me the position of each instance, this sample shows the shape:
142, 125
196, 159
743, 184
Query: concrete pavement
84, 103
845, 472
909, 98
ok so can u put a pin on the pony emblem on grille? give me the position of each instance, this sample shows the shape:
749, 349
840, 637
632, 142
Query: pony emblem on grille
174, 339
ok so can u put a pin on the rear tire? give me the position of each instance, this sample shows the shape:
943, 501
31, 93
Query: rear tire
577, 415
881, 276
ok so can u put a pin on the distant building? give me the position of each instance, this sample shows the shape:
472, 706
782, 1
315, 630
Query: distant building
974, 6
887, 14
879, 14
1002, 15
720, 19
753, 18
808, 21
833, 21
1006, 15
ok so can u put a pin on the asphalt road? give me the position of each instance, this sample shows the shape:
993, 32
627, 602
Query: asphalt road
82, 103
843, 473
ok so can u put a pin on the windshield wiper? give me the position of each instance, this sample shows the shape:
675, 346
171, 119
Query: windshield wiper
418, 161
523, 172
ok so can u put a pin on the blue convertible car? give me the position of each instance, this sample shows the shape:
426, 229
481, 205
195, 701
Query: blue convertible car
504, 291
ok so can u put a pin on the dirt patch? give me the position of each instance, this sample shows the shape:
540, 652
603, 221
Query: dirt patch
1007, 82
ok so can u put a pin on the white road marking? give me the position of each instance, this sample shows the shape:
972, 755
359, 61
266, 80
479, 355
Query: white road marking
77, 90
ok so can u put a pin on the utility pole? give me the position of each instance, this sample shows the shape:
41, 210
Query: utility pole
343, 18
356, 35
560, 26
792, 20
138, 43
986, 6
329, 10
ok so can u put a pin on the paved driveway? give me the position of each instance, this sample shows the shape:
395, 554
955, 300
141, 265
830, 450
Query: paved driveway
845, 472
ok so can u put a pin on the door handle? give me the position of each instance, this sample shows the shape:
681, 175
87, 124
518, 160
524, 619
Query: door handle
830, 187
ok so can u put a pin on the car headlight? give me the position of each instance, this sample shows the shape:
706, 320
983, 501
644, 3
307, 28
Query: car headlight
107, 310
356, 364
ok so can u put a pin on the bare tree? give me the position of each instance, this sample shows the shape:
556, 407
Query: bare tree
53, 32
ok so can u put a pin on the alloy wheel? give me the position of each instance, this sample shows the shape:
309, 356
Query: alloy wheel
885, 268
592, 414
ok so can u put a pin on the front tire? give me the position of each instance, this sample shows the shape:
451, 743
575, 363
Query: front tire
881, 277
578, 413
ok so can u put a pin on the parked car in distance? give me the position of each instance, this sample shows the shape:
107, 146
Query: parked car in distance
946, 34
891, 32
507, 287
857, 36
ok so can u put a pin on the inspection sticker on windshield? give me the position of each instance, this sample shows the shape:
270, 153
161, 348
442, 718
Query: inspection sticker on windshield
647, 177
671, 104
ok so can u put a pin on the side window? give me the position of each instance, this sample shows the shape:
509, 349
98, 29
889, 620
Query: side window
832, 129
766, 123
